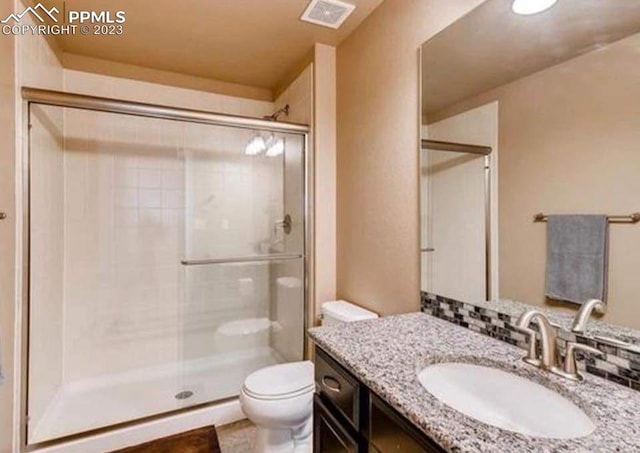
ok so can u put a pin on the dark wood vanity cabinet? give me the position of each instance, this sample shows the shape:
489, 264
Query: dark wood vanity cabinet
350, 418
329, 435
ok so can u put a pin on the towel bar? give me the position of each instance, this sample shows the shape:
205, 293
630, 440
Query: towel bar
633, 218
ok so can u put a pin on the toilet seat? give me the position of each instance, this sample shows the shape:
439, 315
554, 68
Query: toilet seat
278, 382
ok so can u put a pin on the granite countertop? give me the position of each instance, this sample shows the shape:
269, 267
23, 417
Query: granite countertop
386, 354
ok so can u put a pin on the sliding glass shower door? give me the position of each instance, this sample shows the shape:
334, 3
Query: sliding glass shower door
242, 263
166, 263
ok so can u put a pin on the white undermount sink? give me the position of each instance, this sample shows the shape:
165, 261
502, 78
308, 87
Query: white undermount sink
505, 400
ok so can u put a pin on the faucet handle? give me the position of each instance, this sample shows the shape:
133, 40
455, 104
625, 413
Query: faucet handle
572, 346
570, 368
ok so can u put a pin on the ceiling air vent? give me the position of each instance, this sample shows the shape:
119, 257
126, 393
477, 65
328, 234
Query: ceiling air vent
328, 13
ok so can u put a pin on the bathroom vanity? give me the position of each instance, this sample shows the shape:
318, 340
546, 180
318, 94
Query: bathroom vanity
349, 417
370, 397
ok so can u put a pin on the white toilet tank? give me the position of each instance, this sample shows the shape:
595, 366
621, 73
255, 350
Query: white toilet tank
340, 311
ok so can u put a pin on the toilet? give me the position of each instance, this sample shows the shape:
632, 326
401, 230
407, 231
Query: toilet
279, 399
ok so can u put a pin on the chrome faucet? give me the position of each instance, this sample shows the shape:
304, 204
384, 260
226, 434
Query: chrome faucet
581, 319
549, 357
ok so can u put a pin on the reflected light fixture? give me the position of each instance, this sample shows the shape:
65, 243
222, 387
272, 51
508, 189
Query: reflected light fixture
529, 7
275, 147
255, 146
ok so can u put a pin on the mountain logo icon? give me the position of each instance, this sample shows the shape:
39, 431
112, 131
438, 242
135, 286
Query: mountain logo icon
38, 11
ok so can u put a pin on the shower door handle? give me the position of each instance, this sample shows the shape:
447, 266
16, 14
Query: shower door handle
428, 249
285, 224
242, 259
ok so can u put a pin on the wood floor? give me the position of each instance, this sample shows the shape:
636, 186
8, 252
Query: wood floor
202, 440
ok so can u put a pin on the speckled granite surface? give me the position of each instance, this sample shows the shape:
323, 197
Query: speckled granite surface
387, 353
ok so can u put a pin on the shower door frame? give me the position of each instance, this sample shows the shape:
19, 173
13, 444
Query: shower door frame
477, 150
31, 96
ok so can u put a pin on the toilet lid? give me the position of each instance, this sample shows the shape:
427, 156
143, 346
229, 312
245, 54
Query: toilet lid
280, 380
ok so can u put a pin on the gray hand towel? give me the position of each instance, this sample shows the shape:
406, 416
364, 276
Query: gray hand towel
577, 257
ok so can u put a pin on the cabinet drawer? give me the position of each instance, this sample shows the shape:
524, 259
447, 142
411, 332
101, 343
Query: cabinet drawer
389, 432
328, 435
338, 386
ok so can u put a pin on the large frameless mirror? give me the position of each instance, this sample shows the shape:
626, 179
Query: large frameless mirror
554, 96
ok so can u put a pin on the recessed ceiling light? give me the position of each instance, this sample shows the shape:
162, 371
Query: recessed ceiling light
528, 7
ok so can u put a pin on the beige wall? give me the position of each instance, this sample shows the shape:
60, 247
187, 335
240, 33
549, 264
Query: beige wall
569, 140
7, 230
173, 79
324, 133
378, 132
96, 84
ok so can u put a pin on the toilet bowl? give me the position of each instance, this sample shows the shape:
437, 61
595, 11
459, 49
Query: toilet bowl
279, 401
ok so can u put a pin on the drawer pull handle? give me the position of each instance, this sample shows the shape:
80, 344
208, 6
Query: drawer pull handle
331, 384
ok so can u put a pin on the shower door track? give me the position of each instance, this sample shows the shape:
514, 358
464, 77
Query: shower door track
99, 104
118, 106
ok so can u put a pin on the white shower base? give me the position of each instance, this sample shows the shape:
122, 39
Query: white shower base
108, 400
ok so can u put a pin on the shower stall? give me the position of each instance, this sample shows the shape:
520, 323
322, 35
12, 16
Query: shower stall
166, 258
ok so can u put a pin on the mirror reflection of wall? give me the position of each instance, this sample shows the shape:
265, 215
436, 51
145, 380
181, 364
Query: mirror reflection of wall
456, 182
564, 91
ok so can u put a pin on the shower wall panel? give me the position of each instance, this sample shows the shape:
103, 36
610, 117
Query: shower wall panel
124, 200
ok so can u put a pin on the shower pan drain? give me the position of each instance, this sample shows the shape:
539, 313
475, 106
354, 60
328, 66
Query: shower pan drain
184, 395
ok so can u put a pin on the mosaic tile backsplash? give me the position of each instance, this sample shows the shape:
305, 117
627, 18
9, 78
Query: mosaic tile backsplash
618, 364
